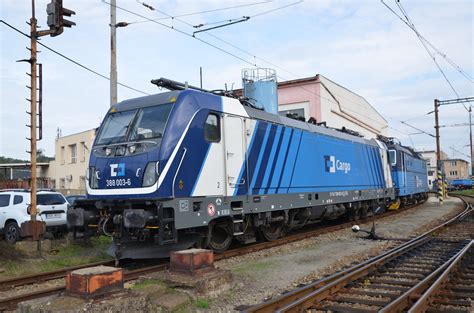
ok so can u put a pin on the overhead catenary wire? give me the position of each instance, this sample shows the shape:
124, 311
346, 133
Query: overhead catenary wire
72, 60
407, 21
438, 51
206, 11
259, 58
232, 54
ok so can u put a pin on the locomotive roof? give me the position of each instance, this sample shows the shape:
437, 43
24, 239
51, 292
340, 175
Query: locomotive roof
145, 101
262, 115
171, 96
405, 149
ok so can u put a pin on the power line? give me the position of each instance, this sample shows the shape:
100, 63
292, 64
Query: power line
425, 45
207, 11
451, 62
229, 53
179, 31
71, 60
276, 9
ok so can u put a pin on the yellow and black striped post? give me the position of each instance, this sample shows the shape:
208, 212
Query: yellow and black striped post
445, 186
440, 187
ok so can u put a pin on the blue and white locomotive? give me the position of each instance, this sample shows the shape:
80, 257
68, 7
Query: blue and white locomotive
189, 167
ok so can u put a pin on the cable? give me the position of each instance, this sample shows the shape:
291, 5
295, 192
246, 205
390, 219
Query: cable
451, 62
278, 76
179, 31
425, 42
279, 8
227, 52
207, 11
425, 46
71, 60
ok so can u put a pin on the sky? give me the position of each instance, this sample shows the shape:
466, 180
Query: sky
358, 44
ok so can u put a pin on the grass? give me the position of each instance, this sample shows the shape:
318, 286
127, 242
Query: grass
202, 304
15, 264
252, 267
146, 283
467, 192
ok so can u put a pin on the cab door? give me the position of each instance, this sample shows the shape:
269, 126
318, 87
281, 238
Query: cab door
235, 155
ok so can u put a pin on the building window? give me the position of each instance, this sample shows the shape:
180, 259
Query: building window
83, 151
453, 163
73, 149
63, 159
428, 162
430, 173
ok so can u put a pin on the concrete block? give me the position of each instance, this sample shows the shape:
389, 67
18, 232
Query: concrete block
31, 248
192, 261
92, 281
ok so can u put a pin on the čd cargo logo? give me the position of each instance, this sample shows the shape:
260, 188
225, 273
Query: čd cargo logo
332, 165
117, 170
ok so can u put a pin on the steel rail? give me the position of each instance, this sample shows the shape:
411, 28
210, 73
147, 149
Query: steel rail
403, 302
296, 297
11, 302
40, 277
426, 299
322, 293
7, 303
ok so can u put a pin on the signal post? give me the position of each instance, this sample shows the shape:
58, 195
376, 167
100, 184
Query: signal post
56, 23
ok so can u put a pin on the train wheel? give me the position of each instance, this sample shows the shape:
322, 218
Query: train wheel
273, 231
220, 237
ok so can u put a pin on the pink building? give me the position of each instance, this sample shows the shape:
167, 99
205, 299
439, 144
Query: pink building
329, 102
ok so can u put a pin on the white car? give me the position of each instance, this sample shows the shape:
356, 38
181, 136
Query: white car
14, 210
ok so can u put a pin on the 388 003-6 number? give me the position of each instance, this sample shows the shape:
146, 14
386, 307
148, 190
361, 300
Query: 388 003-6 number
119, 182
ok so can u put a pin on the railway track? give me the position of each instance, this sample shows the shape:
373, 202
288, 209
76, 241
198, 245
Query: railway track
11, 302
389, 282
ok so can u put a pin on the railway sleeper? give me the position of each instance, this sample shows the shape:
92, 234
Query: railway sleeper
340, 308
392, 294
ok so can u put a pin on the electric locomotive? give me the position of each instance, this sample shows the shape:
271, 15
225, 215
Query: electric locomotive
190, 167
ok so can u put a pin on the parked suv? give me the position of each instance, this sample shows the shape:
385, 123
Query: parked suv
14, 210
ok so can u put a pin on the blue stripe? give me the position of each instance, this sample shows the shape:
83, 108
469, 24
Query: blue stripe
284, 161
273, 159
260, 157
266, 155
294, 155
278, 166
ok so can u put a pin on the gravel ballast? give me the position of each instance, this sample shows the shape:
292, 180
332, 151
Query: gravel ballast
267, 273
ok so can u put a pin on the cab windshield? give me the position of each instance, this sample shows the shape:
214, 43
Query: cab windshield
134, 125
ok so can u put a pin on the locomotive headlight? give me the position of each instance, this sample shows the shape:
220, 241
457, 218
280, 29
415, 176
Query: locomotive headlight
108, 151
132, 149
149, 177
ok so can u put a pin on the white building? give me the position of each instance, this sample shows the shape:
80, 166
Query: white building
430, 157
68, 170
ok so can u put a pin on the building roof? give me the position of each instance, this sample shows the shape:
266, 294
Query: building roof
447, 160
315, 78
81, 132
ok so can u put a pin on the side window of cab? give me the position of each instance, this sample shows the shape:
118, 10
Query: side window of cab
212, 128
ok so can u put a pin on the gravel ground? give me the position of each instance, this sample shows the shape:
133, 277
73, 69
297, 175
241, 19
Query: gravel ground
264, 274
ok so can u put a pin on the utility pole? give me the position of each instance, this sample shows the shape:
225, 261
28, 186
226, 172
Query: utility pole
56, 23
113, 52
470, 141
439, 172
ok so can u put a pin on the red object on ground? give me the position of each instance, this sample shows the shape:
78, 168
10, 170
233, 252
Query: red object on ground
192, 261
92, 281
